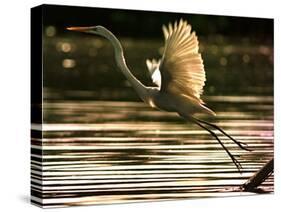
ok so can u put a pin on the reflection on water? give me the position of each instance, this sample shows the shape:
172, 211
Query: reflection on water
109, 151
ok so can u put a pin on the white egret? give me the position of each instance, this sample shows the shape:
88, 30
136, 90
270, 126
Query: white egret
179, 77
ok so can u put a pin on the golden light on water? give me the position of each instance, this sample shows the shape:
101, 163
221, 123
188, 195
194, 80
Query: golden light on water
108, 150
264, 50
64, 47
223, 61
50, 31
68, 63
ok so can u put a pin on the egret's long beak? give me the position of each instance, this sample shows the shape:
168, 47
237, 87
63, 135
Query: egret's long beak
80, 29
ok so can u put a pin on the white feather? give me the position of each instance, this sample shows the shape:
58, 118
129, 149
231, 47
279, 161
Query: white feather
153, 68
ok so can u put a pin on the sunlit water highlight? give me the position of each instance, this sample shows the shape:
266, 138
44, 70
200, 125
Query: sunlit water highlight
107, 152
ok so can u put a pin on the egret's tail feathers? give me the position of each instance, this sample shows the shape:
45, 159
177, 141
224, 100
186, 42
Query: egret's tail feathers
208, 110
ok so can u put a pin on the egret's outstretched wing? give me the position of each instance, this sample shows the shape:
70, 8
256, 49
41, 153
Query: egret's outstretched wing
153, 68
182, 69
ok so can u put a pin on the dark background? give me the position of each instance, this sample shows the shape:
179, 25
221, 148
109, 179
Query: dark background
147, 23
237, 52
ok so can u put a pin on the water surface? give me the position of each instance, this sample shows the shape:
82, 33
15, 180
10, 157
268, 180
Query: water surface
120, 151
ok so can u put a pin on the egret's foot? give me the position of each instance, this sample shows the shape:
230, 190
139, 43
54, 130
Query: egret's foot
243, 145
236, 162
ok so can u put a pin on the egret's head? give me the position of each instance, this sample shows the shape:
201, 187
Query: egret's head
98, 30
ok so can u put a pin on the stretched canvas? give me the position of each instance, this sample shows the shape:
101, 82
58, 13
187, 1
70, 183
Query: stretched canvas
133, 106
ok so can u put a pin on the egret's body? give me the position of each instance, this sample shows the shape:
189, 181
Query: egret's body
179, 76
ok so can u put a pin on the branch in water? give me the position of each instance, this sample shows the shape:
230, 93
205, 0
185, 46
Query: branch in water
259, 177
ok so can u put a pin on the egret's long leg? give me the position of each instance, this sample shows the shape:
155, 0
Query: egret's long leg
239, 143
234, 160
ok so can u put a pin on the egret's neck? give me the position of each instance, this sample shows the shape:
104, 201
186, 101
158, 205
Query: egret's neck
120, 60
